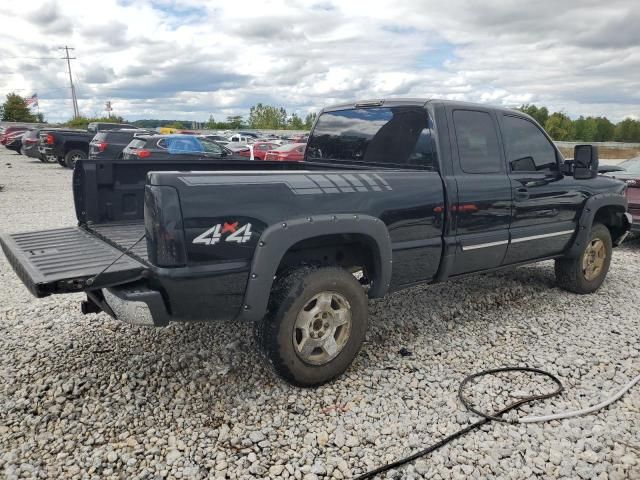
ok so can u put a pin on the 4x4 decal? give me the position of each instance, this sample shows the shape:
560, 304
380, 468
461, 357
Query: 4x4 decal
234, 233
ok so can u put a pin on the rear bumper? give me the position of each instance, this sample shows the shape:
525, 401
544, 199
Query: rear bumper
137, 305
160, 299
47, 151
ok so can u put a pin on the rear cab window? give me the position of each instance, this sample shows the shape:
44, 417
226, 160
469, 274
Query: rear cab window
477, 141
385, 136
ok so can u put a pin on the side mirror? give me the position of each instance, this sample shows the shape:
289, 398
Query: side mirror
585, 160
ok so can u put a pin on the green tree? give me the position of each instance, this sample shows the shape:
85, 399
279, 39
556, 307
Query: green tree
540, 115
309, 120
15, 109
604, 129
267, 117
628, 130
211, 123
83, 122
235, 122
559, 126
585, 129
295, 122
176, 124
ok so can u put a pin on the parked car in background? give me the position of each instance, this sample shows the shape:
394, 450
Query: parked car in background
13, 141
108, 145
240, 139
216, 138
9, 131
292, 152
260, 149
71, 145
30, 140
630, 174
11, 137
187, 147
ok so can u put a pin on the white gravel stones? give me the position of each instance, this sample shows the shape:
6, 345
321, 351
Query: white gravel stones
89, 397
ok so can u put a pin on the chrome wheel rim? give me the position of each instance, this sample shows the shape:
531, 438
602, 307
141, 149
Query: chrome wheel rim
322, 328
593, 259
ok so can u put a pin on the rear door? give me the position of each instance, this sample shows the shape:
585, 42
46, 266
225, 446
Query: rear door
546, 203
482, 213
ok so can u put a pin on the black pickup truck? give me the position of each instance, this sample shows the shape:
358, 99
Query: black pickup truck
391, 194
69, 146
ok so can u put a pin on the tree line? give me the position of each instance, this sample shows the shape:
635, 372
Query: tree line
584, 129
266, 117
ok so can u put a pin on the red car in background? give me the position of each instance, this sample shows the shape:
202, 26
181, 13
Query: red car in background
10, 133
631, 176
292, 152
260, 149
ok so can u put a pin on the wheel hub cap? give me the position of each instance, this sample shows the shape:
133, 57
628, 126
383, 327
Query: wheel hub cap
322, 328
593, 259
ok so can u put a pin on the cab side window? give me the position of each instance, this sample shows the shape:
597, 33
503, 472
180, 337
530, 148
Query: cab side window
477, 142
528, 149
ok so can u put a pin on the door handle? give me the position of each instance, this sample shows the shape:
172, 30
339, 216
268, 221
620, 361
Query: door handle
522, 194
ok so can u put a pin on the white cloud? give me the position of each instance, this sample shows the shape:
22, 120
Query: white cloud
188, 59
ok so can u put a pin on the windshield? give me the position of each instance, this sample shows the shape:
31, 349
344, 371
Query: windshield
183, 144
631, 166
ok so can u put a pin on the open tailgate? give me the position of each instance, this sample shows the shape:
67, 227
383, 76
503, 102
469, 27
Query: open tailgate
62, 260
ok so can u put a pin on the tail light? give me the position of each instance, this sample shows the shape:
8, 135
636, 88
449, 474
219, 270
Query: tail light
245, 153
163, 226
102, 146
143, 153
50, 139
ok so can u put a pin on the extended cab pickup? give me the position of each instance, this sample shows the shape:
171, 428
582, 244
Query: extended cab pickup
69, 146
391, 194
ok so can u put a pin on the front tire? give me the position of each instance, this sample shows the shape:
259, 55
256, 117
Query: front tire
72, 157
586, 272
315, 326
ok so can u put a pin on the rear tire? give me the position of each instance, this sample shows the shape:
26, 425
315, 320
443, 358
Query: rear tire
315, 326
586, 272
72, 157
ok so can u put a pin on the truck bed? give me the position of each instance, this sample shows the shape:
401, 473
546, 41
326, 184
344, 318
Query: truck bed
68, 259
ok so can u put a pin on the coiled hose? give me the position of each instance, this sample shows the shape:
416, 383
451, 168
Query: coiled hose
498, 416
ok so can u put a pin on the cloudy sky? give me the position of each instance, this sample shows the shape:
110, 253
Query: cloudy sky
188, 59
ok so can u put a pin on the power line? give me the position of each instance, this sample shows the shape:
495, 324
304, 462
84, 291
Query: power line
30, 58
76, 112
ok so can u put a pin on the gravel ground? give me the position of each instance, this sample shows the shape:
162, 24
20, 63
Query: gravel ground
87, 396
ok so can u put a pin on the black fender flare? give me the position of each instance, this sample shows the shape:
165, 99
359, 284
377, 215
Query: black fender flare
589, 211
277, 239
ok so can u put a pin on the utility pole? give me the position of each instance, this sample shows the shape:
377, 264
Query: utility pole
74, 100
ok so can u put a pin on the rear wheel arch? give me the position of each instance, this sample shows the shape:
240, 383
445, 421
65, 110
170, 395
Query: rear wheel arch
277, 252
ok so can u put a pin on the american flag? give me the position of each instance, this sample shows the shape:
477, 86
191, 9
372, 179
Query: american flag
33, 100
